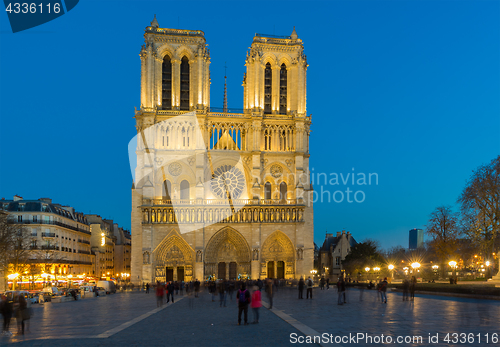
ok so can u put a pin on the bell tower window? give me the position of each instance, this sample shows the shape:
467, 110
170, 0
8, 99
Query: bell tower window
268, 83
166, 83
283, 82
184, 84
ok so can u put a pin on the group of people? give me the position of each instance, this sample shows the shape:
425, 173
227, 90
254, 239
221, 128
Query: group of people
15, 306
169, 288
409, 286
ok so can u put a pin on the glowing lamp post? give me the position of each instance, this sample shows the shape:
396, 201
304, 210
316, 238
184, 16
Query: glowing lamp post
13, 277
391, 269
367, 269
453, 264
488, 267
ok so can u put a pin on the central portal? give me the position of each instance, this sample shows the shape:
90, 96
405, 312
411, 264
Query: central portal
227, 255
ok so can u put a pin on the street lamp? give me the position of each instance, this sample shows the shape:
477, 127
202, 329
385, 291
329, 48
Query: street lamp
488, 267
391, 269
367, 269
453, 264
12, 277
69, 279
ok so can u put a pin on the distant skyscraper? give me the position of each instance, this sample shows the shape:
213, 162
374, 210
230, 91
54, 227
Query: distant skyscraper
416, 238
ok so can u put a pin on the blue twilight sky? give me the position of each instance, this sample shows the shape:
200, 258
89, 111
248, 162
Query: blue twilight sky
405, 89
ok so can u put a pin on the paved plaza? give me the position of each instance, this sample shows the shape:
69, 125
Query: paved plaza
132, 319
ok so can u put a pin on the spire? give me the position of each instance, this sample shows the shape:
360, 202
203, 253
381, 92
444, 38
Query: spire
154, 23
294, 35
225, 89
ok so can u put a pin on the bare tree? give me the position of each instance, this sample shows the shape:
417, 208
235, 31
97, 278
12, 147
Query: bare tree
445, 231
480, 207
16, 255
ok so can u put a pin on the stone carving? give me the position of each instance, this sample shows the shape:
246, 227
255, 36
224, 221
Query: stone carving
276, 170
175, 169
158, 161
191, 161
175, 253
289, 162
145, 258
255, 254
275, 247
300, 253
199, 256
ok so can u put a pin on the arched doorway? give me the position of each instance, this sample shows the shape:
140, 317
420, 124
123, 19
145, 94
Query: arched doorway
227, 255
173, 259
278, 256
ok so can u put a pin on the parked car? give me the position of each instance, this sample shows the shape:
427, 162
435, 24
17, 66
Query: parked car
109, 286
52, 291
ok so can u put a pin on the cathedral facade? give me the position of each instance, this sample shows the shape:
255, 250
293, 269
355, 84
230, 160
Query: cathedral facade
221, 193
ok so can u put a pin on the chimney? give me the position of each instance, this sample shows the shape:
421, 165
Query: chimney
47, 200
17, 197
339, 233
328, 235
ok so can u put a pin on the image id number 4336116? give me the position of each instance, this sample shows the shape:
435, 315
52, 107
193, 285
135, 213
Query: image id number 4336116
471, 338
25, 7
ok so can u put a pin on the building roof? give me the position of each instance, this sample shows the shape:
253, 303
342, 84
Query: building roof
334, 240
42, 205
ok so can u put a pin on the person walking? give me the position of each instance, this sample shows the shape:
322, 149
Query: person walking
328, 283
256, 303
159, 294
22, 314
147, 288
383, 291
309, 288
301, 288
6, 307
243, 298
413, 284
269, 291
406, 288
322, 283
222, 292
196, 288
170, 291
340, 284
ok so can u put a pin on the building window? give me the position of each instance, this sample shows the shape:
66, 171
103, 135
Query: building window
283, 191
184, 84
166, 83
267, 191
34, 218
337, 261
267, 140
185, 190
283, 82
268, 88
20, 219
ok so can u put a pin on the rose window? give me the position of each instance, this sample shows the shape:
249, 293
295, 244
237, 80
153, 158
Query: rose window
228, 182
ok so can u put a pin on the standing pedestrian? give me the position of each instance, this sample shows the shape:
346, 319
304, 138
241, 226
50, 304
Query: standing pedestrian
406, 288
147, 288
6, 307
269, 290
243, 299
222, 293
159, 294
328, 283
196, 288
22, 314
256, 303
413, 284
383, 291
340, 284
309, 288
301, 288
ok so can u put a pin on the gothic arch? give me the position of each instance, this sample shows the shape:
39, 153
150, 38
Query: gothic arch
229, 246
285, 59
182, 51
278, 246
173, 251
268, 58
164, 50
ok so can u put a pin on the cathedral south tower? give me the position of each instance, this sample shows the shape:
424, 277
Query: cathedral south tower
219, 194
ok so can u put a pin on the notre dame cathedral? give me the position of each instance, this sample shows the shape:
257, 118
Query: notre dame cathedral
221, 193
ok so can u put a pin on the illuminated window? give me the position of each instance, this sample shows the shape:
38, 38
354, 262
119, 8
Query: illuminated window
268, 82
283, 81
184, 84
184, 190
166, 80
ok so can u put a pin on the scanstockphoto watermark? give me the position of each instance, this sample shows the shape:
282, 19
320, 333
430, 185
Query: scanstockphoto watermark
326, 186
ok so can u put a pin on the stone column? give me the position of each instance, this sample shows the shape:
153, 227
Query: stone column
176, 84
